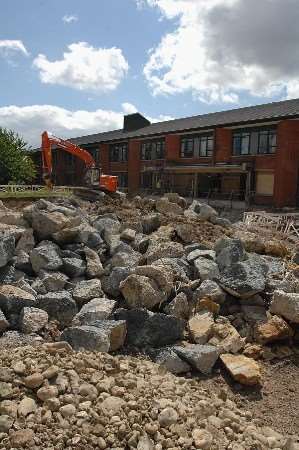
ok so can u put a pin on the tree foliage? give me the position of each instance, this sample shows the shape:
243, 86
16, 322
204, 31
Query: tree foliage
16, 164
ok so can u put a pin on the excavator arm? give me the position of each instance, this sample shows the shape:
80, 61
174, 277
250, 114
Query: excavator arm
104, 182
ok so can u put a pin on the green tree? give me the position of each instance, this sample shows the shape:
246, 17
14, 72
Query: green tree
16, 164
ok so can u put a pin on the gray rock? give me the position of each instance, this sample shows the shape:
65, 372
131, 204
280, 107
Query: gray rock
178, 307
13, 339
89, 236
22, 262
7, 249
107, 226
53, 281
203, 211
26, 243
145, 328
210, 289
163, 206
195, 246
141, 243
13, 299
150, 223
9, 217
171, 361
74, 267
46, 223
45, 257
33, 320
180, 269
208, 254
102, 337
4, 324
229, 251
94, 267
206, 269
111, 282
59, 305
10, 275
243, 279
128, 235
253, 314
222, 221
122, 259
286, 305
96, 309
87, 290
200, 357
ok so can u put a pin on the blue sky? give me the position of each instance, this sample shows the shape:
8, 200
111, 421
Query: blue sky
74, 67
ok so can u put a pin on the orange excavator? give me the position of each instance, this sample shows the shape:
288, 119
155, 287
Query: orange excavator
93, 177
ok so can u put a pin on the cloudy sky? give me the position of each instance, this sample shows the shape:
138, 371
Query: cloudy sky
75, 67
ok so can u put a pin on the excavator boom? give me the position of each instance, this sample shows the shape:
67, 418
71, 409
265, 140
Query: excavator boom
104, 182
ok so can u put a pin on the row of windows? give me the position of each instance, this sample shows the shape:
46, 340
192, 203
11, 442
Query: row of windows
202, 146
261, 142
197, 146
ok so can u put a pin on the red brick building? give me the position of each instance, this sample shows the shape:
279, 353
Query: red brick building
250, 152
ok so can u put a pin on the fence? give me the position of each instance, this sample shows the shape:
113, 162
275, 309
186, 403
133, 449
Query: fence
287, 224
33, 190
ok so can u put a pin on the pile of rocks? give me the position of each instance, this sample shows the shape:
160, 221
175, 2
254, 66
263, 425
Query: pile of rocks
100, 285
52, 398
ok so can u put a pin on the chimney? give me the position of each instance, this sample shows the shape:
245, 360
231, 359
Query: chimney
133, 122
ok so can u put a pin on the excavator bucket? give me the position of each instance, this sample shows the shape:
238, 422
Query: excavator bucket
108, 183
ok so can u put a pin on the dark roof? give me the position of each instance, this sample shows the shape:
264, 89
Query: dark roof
250, 114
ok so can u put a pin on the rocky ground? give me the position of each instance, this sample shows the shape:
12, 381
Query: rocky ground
215, 306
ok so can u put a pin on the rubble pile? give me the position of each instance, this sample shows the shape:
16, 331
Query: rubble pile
53, 398
175, 282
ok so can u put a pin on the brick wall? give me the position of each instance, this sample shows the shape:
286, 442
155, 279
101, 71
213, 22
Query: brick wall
223, 145
172, 147
286, 167
104, 158
134, 166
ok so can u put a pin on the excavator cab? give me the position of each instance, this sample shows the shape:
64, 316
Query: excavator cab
108, 183
92, 176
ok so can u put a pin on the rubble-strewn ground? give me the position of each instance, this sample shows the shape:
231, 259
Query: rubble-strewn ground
214, 304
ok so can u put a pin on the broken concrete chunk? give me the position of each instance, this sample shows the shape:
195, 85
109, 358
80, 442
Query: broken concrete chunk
171, 361
141, 291
59, 305
200, 357
206, 269
96, 309
200, 327
33, 320
87, 290
286, 305
45, 257
13, 299
7, 249
275, 329
178, 307
94, 266
74, 267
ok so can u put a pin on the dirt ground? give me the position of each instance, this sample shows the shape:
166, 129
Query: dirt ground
276, 403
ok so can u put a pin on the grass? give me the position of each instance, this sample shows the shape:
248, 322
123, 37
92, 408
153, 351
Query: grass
33, 194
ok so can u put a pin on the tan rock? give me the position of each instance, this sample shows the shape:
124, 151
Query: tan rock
21, 438
226, 338
202, 439
26, 406
253, 351
242, 369
276, 248
207, 304
34, 381
46, 392
201, 327
274, 330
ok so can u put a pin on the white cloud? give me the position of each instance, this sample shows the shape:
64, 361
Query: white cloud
31, 121
8, 47
70, 18
128, 108
84, 67
219, 49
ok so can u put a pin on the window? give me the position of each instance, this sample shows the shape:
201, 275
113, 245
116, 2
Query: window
119, 152
152, 150
265, 183
267, 142
241, 143
197, 146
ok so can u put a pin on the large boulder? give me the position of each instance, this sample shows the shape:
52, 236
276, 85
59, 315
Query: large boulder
200, 327
74, 267
141, 291
111, 282
229, 251
7, 249
244, 279
94, 267
101, 336
96, 309
168, 359
33, 320
45, 257
275, 329
8, 217
83, 233
209, 289
107, 226
206, 269
150, 223
13, 299
148, 329
178, 267
50, 282
87, 290
242, 369
178, 307
202, 210
60, 306
200, 357
45, 223
286, 305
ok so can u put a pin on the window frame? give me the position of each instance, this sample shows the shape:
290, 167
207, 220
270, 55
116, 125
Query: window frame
118, 152
149, 150
203, 146
242, 136
270, 133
